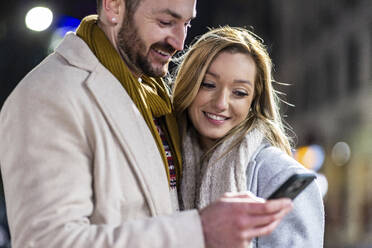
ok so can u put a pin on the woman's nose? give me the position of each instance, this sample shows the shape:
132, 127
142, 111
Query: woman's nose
221, 100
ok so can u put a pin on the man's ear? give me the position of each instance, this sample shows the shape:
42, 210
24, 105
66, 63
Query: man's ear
113, 10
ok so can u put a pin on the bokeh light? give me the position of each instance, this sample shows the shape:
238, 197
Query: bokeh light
341, 153
39, 19
65, 24
312, 157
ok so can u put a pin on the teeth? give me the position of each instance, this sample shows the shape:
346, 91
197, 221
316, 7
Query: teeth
162, 53
215, 117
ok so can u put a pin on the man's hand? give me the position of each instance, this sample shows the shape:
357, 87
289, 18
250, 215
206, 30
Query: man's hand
236, 218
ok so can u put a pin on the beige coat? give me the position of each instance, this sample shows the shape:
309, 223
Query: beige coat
79, 165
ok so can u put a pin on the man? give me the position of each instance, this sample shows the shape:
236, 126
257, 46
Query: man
88, 142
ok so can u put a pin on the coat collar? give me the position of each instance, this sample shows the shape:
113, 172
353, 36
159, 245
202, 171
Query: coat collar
77, 52
126, 123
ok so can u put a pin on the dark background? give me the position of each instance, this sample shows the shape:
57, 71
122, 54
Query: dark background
21, 49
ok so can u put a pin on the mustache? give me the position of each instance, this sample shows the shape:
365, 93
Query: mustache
164, 47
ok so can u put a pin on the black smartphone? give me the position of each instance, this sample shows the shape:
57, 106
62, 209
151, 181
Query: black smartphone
293, 186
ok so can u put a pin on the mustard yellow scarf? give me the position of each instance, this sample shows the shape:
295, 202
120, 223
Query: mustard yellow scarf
150, 96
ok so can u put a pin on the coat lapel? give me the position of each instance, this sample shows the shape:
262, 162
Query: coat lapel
127, 124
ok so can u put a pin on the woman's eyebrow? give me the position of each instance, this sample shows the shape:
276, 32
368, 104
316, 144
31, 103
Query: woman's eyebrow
215, 75
243, 81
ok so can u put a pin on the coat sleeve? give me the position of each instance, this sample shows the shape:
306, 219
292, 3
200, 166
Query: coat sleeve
46, 164
304, 225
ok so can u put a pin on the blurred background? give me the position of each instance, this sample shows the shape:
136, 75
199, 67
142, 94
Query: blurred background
321, 48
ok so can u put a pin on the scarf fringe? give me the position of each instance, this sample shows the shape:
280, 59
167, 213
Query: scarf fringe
203, 184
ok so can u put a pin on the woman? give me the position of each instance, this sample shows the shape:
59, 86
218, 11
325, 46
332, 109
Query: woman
233, 137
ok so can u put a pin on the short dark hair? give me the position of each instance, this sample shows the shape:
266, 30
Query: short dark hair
130, 6
99, 6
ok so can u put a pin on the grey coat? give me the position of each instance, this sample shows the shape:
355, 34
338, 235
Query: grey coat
304, 225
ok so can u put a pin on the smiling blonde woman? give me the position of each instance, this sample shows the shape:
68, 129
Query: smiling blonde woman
232, 133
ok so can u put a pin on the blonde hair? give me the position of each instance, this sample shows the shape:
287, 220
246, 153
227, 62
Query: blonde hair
264, 108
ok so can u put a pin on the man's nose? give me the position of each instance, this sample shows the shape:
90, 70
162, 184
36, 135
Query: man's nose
177, 39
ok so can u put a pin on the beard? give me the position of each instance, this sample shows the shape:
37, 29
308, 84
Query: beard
133, 50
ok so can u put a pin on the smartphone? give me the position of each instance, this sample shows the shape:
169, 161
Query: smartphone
293, 186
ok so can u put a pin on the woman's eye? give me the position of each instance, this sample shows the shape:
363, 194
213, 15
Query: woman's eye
207, 85
240, 93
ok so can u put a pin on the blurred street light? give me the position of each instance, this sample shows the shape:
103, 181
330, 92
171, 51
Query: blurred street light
341, 153
39, 18
312, 156
64, 25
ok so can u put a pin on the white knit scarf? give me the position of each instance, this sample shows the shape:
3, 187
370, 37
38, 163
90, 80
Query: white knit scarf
203, 184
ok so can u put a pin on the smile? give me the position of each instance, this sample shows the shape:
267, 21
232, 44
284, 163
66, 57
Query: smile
165, 54
215, 117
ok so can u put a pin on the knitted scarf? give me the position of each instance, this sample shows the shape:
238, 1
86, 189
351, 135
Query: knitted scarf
204, 183
150, 95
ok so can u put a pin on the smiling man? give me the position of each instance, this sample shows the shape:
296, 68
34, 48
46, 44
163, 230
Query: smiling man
149, 34
90, 151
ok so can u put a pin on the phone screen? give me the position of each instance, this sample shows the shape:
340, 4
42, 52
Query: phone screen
293, 186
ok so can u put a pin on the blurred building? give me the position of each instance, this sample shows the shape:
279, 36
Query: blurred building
323, 48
